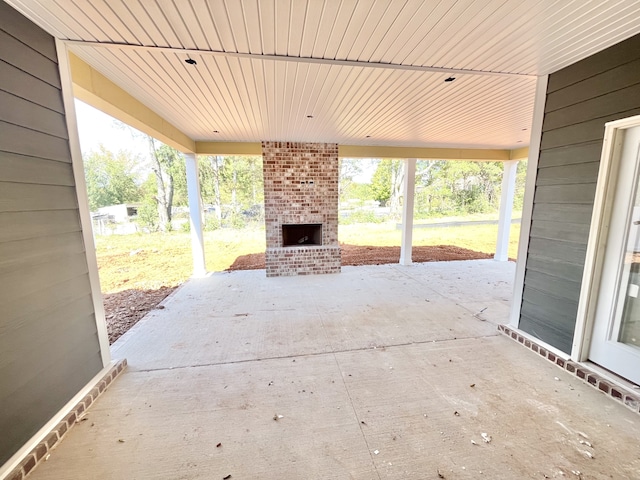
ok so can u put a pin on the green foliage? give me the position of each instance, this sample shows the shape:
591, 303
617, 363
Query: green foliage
148, 218
234, 187
446, 188
110, 178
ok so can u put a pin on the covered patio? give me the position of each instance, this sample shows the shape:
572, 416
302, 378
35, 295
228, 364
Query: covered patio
387, 371
379, 372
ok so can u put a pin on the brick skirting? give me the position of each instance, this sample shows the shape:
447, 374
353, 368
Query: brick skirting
631, 401
311, 260
41, 452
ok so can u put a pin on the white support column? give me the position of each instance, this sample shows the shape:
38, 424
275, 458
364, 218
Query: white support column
195, 215
506, 209
529, 190
407, 211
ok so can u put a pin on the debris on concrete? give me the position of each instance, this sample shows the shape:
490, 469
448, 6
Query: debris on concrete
485, 437
277, 417
472, 385
227, 477
376, 452
218, 445
473, 442
456, 413
121, 440
440, 475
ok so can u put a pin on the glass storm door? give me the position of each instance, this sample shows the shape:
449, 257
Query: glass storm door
616, 334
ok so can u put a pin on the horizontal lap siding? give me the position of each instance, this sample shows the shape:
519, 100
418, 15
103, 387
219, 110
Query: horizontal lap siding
49, 346
580, 100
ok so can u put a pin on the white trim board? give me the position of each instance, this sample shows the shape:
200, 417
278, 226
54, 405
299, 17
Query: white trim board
529, 191
83, 200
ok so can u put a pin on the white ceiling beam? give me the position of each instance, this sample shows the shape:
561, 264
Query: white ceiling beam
286, 58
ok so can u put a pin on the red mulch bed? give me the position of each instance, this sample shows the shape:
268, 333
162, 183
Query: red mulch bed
124, 309
371, 255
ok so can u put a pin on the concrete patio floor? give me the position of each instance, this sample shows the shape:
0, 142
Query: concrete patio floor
381, 372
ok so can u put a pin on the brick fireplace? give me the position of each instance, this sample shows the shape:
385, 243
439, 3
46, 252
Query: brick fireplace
301, 208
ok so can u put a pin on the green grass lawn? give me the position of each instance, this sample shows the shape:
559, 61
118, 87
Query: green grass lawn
149, 261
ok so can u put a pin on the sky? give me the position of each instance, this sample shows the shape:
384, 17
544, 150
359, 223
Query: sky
96, 127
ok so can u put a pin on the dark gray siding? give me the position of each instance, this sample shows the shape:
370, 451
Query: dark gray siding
580, 100
48, 341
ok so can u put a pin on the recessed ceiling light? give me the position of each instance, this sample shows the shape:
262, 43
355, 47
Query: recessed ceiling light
450, 79
191, 61
309, 116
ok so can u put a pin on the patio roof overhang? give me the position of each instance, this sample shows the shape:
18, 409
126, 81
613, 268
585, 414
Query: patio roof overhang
371, 74
93, 88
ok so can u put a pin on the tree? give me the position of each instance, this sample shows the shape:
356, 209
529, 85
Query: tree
167, 164
386, 183
110, 178
348, 168
234, 185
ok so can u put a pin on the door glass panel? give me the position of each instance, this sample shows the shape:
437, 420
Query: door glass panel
630, 282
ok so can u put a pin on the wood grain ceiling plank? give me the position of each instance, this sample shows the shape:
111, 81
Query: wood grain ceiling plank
422, 30
457, 31
148, 26
267, 11
244, 73
380, 33
253, 27
191, 21
137, 34
222, 25
310, 32
297, 18
339, 28
230, 89
202, 11
162, 25
107, 21
401, 24
105, 62
174, 15
513, 29
238, 24
325, 28
63, 18
618, 22
354, 29
282, 13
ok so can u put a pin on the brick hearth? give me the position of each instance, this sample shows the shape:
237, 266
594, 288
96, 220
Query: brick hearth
301, 188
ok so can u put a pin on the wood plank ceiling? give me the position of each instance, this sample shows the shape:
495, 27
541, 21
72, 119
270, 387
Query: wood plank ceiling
369, 72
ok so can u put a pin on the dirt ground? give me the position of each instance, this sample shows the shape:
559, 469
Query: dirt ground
124, 309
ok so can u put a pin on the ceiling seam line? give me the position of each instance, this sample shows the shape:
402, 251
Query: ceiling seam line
312, 60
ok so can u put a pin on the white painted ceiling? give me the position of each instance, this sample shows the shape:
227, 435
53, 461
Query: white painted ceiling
370, 72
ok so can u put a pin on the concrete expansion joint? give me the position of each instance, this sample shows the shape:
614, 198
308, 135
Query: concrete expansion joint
315, 354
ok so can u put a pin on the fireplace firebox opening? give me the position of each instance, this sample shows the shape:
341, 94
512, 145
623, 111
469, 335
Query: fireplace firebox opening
298, 235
